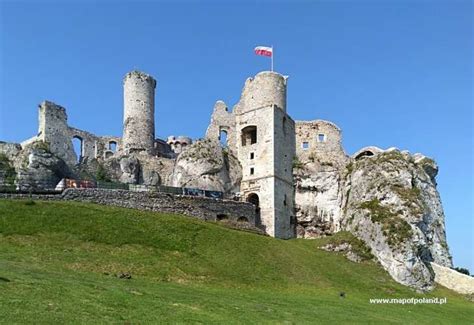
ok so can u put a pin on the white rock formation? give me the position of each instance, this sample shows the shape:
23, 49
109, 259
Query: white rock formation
205, 164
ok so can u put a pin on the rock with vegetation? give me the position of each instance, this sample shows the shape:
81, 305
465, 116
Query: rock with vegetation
392, 204
205, 164
37, 168
7, 172
386, 198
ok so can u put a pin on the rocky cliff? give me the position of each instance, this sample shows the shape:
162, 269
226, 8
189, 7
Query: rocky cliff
205, 164
31, 167
386, 198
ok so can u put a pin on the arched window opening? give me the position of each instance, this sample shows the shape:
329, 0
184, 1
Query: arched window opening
249, 135
177, 147
223, 138
254, 199
242, 219
221, 217
364, 154
78, 145
113, 146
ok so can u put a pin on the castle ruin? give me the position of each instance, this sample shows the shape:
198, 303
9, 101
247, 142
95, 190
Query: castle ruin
295, 174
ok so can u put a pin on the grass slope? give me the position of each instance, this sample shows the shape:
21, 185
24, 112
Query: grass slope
58, 262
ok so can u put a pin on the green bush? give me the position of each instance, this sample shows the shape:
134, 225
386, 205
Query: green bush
394, 228
101, 174
9, 170
43, 145
297, 164
462, 270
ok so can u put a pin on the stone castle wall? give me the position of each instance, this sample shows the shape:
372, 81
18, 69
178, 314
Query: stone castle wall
320, 140
54, 130
192, 206
222, 121
453, 280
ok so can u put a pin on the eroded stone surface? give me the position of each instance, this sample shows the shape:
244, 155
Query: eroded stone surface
205, 164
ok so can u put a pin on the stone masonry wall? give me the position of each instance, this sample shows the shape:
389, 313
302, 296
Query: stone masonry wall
197, 207
222, 120
322, 139
453, 280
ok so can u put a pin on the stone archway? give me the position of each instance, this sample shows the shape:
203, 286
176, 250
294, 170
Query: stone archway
255, 200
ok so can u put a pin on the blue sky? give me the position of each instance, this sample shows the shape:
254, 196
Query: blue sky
389, 73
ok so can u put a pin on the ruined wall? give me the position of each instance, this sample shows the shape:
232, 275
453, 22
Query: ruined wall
319, 140
222, 121
453, 280
193, 206
53, 129
178, 144
139, 112
163, 149
107, 146
88, 142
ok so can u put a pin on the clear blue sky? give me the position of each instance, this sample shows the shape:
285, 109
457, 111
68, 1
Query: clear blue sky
389, 73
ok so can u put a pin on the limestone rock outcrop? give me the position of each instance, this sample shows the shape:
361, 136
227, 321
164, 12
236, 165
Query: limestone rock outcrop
318, 198
37, 168
392, 204
388, 199
205, 164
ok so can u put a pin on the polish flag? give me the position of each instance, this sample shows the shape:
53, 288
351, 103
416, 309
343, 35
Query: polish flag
263, 50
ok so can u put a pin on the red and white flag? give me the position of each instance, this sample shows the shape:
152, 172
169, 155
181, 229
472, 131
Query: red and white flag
264, 50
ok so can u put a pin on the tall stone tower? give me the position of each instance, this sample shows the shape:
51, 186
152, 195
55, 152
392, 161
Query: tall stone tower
139, 112
266, 148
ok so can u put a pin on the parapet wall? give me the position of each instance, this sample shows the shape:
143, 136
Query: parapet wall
453, 280
197, 207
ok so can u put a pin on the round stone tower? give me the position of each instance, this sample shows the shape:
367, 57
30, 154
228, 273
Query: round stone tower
139, 112
265, 89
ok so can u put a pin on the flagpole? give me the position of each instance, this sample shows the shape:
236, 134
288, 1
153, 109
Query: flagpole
272, 57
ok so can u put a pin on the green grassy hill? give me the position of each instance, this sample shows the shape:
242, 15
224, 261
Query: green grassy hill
59, 261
